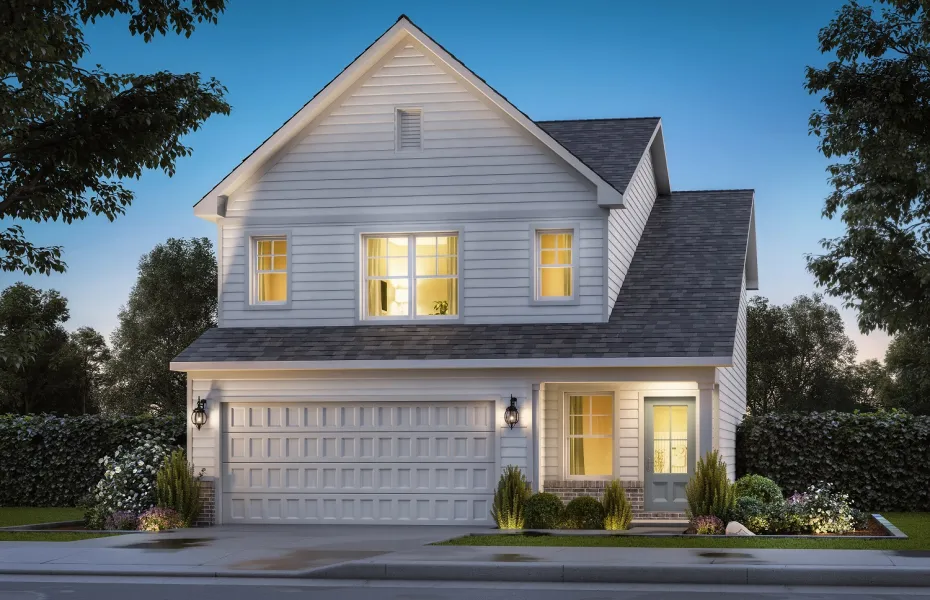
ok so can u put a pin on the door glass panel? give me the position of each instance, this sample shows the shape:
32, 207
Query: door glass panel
661, 435
679, 441
670, 439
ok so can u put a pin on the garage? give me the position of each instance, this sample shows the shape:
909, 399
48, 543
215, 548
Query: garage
358, 462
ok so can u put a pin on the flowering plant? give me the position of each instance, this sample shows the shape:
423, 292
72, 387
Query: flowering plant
160, 519
707, 525
128, 482
122, 520
827, 511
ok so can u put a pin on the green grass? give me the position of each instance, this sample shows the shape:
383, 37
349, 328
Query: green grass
25, 515
915, 525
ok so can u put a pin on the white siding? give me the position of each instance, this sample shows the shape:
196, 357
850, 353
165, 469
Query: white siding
495, 277
732, 391
625, 226
477, 172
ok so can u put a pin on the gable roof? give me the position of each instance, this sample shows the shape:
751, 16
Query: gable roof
679, 302
208, 207
612, 147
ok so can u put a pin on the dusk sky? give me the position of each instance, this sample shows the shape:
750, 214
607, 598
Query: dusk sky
726, 78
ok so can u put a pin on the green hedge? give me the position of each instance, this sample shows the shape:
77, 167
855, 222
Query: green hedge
882, 460
53, 461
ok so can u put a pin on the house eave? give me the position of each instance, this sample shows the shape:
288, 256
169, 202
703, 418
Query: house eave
527, 363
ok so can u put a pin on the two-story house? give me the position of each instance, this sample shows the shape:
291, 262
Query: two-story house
410, 256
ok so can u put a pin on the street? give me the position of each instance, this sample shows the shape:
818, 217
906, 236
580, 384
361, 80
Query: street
115, 588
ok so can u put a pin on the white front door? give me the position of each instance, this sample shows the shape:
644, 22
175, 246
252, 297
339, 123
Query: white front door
358, 462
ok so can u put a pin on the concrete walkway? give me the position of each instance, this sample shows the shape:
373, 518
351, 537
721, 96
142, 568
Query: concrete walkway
403, 553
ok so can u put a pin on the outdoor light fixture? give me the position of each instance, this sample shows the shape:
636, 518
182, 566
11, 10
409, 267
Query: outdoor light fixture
199, 415
511, 414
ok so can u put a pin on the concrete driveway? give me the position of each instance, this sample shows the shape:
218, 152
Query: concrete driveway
225, 548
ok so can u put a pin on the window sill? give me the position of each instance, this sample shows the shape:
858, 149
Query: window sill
573, 301
401, 321
269, 305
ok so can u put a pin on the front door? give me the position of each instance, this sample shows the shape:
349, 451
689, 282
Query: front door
669, 453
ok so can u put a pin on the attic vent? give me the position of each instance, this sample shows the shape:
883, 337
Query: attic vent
409, 129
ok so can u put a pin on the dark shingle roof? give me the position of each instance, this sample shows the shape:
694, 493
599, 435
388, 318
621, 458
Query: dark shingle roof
680, 299
610, 147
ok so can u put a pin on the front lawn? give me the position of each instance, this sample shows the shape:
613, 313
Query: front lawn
25, 515
915, 525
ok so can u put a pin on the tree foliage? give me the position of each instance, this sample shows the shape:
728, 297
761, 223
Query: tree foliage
54, 371
799, 357
875, 124
70, 134
907, 363
171, 304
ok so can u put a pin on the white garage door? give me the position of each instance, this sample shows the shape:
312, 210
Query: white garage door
359, 462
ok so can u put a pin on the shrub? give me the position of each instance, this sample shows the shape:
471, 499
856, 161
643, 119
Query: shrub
52, 461
709, 491
882, 459
123, 520
176, 487
618, 513
95, 516
751, 512
584, 512
757, 486
707, 525
510, 499
825, 511
543, 511
160, 519
128, 481
861, 519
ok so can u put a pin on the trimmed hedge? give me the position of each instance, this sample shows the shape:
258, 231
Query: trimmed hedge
54, 461
882, 460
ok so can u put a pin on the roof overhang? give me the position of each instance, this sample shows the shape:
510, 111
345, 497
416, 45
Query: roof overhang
209, 207
752, 262
538, 363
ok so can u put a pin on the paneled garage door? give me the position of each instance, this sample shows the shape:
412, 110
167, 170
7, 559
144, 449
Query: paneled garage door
359, 462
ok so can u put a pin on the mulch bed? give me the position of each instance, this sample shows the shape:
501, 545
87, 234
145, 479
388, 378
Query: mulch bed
874, 529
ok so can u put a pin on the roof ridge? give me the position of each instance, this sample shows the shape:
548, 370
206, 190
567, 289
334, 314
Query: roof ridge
597, 119
714, 190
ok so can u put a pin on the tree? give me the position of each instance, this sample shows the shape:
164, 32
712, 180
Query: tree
875, 122
172, 303
92, 354
70, 134
908, 363
799, 357
57, 377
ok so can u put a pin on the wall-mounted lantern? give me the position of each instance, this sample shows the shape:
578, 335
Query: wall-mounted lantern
511, 414
199, 414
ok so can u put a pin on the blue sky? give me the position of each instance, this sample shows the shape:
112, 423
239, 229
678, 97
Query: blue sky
726, 78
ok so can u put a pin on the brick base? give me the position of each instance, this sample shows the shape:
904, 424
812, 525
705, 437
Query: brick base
569, 490
208, 497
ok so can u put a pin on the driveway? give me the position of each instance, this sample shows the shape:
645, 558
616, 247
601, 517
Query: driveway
225, 548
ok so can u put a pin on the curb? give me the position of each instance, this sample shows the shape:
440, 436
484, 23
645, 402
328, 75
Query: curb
684, 574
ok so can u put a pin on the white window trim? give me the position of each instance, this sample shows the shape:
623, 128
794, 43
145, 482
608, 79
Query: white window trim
535, 230
361, 256
254, 236
563, 436
408, 107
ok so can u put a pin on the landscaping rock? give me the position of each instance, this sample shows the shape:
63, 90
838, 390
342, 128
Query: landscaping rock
734, 528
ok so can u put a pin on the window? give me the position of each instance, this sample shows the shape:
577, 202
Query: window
409, 129
270, 285
554, 266
411, 276
590, 435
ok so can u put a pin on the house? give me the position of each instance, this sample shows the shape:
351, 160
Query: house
410, 256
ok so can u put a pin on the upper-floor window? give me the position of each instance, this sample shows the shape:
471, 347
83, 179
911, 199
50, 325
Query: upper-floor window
409, 129
270, 276
555, 265
411, 276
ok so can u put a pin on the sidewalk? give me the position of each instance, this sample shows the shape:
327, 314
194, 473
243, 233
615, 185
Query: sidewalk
403, 553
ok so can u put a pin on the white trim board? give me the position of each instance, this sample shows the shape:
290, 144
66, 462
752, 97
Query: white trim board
334, 365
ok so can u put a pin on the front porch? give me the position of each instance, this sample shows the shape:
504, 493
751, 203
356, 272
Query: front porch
647, 434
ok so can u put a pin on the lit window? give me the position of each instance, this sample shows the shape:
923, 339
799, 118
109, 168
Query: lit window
554, 264
670, 439
270, 270
590, 435
411, 276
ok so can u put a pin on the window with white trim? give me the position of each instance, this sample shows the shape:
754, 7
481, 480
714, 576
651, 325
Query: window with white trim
409, 128
412, 276
270, 270
554, 265
589, 435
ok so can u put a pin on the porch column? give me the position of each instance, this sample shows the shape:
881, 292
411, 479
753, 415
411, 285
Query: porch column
536, 459
705, 425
